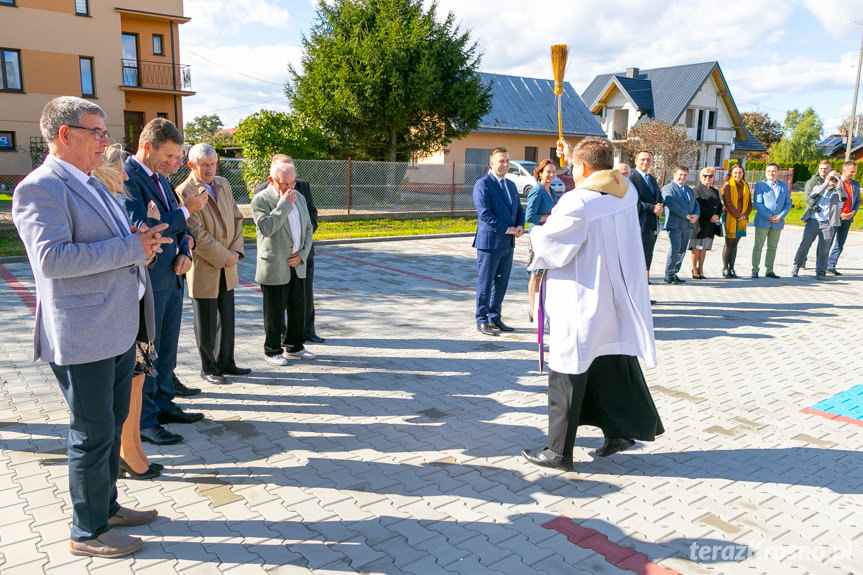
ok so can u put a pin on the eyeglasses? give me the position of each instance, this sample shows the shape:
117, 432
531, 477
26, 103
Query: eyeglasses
707, 176
97, 133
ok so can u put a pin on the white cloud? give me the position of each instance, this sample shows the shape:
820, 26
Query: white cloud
837, 16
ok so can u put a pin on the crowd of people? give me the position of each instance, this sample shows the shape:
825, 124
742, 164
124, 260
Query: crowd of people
111, 243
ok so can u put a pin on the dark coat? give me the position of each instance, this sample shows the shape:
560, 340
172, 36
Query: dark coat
710, 203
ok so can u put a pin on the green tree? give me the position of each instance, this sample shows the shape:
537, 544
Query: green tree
802, 133
767, 131
386, 79
202, 127
266, 133
670, 145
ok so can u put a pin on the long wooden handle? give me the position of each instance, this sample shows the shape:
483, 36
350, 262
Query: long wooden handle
559, 128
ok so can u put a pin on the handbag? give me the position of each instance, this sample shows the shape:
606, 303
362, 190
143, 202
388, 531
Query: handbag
718, 229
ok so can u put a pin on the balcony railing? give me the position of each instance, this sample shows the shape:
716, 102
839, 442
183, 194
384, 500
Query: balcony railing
157, 75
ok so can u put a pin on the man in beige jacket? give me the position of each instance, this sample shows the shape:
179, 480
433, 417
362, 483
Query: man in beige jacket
218, 232
284, 240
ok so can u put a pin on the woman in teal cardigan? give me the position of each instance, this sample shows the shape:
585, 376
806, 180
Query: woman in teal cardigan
540, 201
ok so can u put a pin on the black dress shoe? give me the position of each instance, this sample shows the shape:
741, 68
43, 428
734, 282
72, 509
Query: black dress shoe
214, 378
485, 329
314, 338
771, 275
126, 471
158, 435
156, 466
834, 272
234, 370
501, 326
678, 280
181, 390
612, 446
544, 458
179, 416
755, 275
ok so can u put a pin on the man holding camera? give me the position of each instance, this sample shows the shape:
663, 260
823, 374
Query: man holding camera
849, 210
822, 219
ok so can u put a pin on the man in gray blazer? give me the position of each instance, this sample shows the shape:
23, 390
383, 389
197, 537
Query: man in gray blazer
91, 286
284, 240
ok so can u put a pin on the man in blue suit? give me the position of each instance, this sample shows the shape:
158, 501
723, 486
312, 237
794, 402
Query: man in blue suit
159, 149
849, 210
500, 221
683, 212
772, 203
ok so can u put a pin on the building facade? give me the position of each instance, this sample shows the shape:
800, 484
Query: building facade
694, 97
124, 56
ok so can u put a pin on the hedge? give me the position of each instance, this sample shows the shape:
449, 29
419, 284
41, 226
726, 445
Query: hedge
804, 171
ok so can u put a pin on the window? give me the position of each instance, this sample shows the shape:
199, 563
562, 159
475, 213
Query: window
690, 118
130, 59
530, 153
10, 71
158, 49
162, 115
718, 157
711, 120
7, 3
82, 7
7, 141
88, 86
552, 153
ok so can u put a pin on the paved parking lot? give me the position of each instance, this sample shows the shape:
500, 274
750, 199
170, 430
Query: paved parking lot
398, 450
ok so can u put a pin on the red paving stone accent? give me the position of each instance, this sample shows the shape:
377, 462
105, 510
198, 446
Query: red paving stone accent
834, 417
621, 557
20, 290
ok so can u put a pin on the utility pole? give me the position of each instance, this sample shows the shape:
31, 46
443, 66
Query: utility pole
854, 103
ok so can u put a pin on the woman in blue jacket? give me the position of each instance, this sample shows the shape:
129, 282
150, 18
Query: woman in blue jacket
540, 201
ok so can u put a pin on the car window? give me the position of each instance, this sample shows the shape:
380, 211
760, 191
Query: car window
513, 169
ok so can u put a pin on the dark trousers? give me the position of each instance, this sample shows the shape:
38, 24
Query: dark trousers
611, 395
158, 393
811, 231
838, 244
493, 269
679, 239
214, 329
309, 324
280, 299
98, 397
649, 233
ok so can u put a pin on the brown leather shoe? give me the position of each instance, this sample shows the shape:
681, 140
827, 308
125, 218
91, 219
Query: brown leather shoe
128, 516
109, 544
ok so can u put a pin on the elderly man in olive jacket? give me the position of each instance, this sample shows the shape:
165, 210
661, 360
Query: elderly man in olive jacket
284, 231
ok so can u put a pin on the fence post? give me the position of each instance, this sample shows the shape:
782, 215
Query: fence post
349, 185
452, 190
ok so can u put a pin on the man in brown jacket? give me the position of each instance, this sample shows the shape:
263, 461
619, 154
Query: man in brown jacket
218, 232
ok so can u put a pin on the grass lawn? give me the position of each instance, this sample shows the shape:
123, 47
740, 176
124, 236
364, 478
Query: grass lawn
379, 228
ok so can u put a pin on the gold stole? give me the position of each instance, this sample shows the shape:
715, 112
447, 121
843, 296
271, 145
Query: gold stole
745, 199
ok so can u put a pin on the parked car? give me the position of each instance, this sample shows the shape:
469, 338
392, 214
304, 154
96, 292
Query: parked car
521, 172
565, 175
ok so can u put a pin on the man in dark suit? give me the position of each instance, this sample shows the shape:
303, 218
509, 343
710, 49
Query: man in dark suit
305, 190
91, 287
159, 146
650, 204
500, 220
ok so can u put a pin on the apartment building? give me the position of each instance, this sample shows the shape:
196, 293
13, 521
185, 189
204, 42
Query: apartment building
123, 55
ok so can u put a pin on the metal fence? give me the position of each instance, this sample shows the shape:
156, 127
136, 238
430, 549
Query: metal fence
358, 187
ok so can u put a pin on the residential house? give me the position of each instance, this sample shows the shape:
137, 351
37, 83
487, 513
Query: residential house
523, 119
695, 97
122, 55
833, 146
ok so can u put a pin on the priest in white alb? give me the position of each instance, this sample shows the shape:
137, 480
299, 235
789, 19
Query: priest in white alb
596, 299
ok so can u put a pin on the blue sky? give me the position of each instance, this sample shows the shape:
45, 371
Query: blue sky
775, 55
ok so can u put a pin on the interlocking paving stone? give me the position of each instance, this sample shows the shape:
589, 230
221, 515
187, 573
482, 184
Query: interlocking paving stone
399, 448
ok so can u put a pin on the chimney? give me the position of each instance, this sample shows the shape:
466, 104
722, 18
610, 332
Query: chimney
632, 73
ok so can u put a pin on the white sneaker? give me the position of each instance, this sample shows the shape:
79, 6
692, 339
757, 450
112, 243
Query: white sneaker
276, 359
302, 354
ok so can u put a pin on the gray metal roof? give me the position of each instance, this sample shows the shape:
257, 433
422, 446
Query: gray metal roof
527, 106
639, 92
750, 144
672, 89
